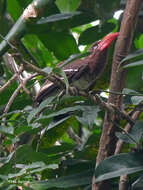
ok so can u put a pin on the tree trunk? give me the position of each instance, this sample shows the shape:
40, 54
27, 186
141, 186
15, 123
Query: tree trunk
117, 83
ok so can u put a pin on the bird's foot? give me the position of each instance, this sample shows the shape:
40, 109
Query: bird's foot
73, 91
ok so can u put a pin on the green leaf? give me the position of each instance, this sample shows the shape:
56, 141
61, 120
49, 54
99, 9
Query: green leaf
24, 3
135, 134
137, 131
138, 184
67, 6
26, 155
105, 9
55, 123
58, 149
35, 111
31, 168
57, 17
122, 164
79, 179
6, 186
3, 177
139, 42
129, 91
38, 50
61, 112
136, 100
134, 78
14, 9
89, 115
135, 64
62, 25
4, 28
5, 160
126, 137
12, 115
134, 56
10, 141
59, 71
61, 44
95, 33
22, 129
6, 130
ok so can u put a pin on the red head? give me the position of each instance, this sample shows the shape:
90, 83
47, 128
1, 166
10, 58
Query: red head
107, 40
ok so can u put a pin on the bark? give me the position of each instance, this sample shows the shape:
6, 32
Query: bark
123, 182
117, 83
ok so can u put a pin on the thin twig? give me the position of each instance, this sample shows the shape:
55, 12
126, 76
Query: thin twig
9, 43
10, 103
125, 132
11, 80
124, 179
13, 97
127, 128
74, 136
15, 69
56, 80
111, 108
123, 114
117, 93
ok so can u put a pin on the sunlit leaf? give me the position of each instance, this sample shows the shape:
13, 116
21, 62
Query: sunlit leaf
67, 6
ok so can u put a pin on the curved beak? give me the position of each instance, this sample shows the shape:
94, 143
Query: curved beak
107, 40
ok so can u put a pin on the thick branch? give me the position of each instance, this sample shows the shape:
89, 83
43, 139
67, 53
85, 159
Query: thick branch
33, 11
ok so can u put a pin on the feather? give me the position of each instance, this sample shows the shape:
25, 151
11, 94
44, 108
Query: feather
82, 73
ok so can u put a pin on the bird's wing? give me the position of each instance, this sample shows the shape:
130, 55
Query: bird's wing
73, 71
83, 73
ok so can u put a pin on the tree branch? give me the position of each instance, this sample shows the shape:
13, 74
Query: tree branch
117, 83
14, 96
55, 79
11, 80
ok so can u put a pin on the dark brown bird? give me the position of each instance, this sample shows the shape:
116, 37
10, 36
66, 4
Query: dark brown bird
83, 73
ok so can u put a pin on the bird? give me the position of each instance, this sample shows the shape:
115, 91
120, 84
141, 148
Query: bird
82, 73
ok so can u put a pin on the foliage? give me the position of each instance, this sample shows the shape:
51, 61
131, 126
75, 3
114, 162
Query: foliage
54, 145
